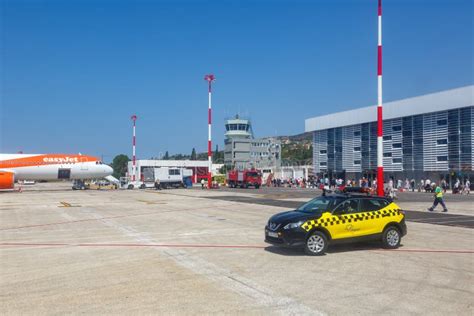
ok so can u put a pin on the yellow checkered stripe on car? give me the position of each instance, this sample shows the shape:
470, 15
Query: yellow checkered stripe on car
350, 218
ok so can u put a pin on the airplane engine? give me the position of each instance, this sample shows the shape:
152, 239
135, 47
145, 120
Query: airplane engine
7, 180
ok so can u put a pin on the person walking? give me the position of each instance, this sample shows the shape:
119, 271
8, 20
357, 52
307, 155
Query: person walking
157, 184
467, 187
438, 199
428, 185
407, 184
202, 184
457, 186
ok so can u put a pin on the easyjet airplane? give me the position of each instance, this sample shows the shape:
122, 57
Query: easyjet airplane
50, 167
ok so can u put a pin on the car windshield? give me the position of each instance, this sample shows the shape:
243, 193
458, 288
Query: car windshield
320, 204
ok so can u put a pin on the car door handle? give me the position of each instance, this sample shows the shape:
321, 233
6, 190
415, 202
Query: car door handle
385, 215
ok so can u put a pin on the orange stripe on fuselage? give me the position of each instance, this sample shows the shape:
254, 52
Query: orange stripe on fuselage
41, 160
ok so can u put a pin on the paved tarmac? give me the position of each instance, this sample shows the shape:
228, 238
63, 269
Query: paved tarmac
189, 252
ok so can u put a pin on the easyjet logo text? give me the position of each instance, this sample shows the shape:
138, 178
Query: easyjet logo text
61, 159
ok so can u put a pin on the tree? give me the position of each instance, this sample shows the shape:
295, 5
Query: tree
224, 169
193, 154
202, 156
296, 153
216, 155
119, 164
166, 156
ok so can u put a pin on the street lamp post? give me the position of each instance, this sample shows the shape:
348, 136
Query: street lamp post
209, 78
134, 119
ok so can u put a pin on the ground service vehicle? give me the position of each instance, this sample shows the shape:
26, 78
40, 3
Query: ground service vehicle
337, 218
93, 185
244, 178
166, 177
169, 177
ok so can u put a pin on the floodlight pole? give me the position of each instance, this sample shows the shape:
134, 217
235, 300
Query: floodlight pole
209, 78
134, 119
380, 177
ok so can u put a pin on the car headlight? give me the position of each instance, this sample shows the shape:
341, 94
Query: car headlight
293, 225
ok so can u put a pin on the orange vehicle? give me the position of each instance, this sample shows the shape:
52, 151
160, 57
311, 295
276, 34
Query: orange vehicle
244, 178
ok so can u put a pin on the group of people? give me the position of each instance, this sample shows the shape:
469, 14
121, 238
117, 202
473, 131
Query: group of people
291, 182
457, 188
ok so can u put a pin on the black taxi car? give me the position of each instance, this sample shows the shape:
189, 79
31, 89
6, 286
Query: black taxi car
337, 218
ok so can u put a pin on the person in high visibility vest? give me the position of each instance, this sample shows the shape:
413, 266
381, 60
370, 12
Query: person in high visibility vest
438, 199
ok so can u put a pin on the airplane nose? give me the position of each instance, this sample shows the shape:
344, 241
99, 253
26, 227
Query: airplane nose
108, 170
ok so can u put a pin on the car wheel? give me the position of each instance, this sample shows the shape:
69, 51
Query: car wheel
391, 238
130, 186
316, 244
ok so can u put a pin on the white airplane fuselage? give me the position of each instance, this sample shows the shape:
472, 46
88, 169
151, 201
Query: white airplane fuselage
53, 167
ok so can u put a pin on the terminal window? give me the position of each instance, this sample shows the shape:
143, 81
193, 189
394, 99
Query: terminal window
387, 138
443, 122
173, 172
442, 141
442, 158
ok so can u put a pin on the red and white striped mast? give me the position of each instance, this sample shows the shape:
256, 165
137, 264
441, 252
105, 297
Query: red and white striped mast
209, 78
380, 178
134, 119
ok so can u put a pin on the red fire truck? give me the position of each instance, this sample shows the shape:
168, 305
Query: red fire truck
244, 178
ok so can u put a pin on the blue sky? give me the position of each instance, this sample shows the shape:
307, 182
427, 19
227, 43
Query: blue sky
72, 72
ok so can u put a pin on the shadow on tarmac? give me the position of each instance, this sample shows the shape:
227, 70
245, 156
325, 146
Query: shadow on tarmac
332, 249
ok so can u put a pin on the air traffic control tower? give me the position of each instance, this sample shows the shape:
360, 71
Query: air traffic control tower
242, 150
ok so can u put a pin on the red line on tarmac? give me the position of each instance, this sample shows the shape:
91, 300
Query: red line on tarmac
132, 245
13, 244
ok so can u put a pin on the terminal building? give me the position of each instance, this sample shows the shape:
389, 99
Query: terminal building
243, 151
425, 137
